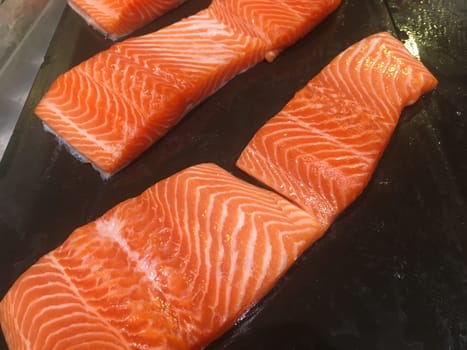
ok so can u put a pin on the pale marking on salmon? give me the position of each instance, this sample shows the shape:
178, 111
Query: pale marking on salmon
234, 258
221, 250
110, 148
247, 266
314, 131
225, 213
100, 6
89, 20
382, 101
129, 131
267, 257
25, 294
93, 345
284, 176
362, 160
53, 307
111, 228
73, 325
89, 308
108, 88
20, 332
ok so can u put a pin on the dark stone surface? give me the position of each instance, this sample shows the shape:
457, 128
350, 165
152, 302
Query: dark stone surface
391, 272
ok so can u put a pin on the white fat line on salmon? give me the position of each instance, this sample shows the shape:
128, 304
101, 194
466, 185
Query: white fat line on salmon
85, 304
100, 6
130, 131
112, 229
90, 21
75, 153
110, 148
324, 134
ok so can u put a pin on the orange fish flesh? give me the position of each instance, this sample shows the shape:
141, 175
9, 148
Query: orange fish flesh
112, 107
170, 269
320, 150
118, 18
279, 23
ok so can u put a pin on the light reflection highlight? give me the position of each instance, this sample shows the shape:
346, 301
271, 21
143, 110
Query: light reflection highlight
411, 45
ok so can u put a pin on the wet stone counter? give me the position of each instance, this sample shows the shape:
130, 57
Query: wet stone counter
390, 273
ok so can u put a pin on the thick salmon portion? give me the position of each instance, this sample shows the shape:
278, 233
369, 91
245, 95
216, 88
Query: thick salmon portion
279, 23
321, 149
112, 107
200, 52
380, 74
117, 18
110, 110
170, 269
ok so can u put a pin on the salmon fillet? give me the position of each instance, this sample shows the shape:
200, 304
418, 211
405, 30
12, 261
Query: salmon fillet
279, 23
117, 18
112, 107
321, 149
170, 269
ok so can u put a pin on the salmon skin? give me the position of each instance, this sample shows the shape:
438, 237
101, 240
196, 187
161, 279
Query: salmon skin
115, 105
321, 149
170, 269
118, 18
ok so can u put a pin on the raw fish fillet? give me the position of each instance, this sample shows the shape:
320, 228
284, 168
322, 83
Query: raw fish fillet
170, 269
112, 107
117, 18
320, 150
279, 23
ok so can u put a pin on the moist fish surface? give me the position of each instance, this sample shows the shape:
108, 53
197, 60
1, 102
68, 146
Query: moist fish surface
176, 266
170, 269
321, 149
117, 18
279, 23
115, 105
